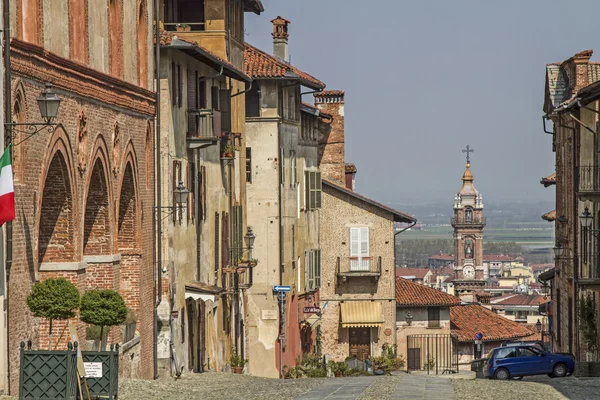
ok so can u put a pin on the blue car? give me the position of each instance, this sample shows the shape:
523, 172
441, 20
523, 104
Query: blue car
515, 362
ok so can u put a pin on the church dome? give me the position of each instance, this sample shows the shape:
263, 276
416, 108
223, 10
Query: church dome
467, 188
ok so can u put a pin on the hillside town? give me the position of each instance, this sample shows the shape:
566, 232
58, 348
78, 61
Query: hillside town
180, 219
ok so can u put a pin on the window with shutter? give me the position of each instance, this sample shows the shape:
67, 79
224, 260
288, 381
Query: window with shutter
214, 98
318, 268
433, 317
311, 273
202, 194
225, 103
318, 189
192, 97
202, 92
191, 211
225, 241
282, 166
174, 83
248, 164
359, 249
179, 86
307, 190
217, 221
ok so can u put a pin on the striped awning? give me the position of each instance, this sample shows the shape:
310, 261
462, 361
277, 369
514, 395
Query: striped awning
313, 321
361, 314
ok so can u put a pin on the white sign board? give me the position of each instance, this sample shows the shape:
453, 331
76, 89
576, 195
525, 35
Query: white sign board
269, 314
93, 369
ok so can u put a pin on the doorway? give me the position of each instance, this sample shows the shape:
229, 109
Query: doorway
360, 343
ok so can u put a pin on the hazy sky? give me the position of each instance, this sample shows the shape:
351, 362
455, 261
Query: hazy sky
425, 78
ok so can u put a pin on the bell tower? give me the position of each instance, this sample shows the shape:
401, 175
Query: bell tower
468, 223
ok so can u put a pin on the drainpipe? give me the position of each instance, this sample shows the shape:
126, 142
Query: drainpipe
396, 234
158, 199
7, 118
281, 248
243, 91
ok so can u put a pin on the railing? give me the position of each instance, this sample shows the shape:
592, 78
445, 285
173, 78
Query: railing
589, 179
434, 353
467, 221
191, 26
359, 265
204, 123
589, 268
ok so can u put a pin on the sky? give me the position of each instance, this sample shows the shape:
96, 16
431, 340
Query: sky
425, 78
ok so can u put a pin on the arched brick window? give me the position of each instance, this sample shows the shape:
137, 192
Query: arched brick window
127, 211
115, 30
78, 41
142, 44
55, 240
19, 116
96, 232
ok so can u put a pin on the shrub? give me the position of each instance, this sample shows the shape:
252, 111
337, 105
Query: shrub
103, 308
53, 299
388, 361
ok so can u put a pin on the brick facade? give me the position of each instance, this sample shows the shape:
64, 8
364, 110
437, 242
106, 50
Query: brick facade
331, 153
81, 212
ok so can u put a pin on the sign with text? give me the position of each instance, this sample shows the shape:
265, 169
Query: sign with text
313, 310
269, 314
282, 289
93, 369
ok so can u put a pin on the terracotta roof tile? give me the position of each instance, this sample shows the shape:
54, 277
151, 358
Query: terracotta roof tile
550, 216
418, 273
541, 267
259, 64
549, 180
522, 300
442, 256
413, 294
497, 257
329, 93
467, 320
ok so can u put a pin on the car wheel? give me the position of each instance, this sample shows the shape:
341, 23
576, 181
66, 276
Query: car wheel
559, 370
517, 378
501, 374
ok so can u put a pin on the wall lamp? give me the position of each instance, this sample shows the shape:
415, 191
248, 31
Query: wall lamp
408, 318
48, 103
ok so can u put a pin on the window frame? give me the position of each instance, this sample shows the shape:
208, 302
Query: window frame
433, 320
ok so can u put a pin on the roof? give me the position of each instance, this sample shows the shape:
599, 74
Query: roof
330, 93
467, 320
417, 273
550, 216
398, 216
541, 267
413, 294
203, 288
261, 65
169, 40
547, 275
522, 300
442, 256
549, 180
254, 6
307, 107
497, 257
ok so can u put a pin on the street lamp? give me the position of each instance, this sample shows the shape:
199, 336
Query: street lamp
408, 318
181, 194
586, 218
558, 250
48, 103
249, 238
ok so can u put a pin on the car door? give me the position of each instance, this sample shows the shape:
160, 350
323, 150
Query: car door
506, 357
532, 361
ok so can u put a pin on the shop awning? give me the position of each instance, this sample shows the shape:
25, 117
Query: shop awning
361, 314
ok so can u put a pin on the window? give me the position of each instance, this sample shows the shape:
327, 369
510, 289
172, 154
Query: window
506, 352
202, 92
433, 317
253, 101
214, 98
174, 83
290, 106
312, 269
293, 169
468, 215
189, 12
225, 241
282, 169
225, 107
177, 210
359, 249
191, 202
179, 86
217, 221
248, 164
528, 352
313, 190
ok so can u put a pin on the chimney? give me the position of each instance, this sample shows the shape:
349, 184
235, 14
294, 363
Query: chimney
331, 136
581, 61
350, 176
280, 38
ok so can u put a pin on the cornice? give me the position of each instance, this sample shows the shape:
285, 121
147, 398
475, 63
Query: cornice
34, 62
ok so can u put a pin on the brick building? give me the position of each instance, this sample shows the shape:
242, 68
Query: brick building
83, 188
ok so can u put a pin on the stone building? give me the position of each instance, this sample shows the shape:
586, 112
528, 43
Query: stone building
468, 224
84, 187
200, 314
570, 103
284, 199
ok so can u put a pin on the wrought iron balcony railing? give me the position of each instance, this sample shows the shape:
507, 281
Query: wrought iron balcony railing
359, 266
203, 123
589, 179
468, 221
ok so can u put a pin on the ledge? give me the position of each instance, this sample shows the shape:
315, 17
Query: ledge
129, 345
63, 266
107, 259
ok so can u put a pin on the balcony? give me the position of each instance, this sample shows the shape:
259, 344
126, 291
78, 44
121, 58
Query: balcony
589, 271
204, 128
354, 267
588, 187
466, 222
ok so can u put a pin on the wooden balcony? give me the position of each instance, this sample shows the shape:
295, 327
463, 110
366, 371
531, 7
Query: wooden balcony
588, 186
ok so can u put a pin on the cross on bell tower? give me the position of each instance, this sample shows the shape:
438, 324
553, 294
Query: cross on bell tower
468, 223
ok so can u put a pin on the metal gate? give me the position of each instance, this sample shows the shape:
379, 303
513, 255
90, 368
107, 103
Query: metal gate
432, 353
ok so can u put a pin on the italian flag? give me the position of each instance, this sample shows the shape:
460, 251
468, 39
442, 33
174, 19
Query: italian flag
7, 191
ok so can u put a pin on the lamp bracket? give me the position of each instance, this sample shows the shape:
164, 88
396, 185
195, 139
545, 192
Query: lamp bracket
29, 129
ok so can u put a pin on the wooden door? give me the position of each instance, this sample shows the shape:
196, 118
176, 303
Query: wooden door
360, 343
414, 359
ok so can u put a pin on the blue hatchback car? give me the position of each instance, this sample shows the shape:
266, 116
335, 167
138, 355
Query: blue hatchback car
518, 361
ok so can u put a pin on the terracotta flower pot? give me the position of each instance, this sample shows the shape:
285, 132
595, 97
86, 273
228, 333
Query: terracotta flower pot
238, 370
338, 374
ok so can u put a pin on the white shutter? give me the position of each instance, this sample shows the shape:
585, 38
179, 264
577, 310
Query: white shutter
359, 249
354, 242
364, 241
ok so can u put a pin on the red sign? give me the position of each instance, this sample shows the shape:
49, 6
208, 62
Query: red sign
313, 310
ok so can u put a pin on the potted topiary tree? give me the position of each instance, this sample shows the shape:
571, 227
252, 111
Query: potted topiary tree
53, 299
103, 308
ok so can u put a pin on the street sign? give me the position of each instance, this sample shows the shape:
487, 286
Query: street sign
282, 289
478, 336
281, 296
478, 342
308, 310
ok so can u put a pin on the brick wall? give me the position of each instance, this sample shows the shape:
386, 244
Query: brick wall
331, 154
68, 198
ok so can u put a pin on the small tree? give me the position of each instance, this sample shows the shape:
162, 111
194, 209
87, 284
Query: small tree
103, 308
53, 299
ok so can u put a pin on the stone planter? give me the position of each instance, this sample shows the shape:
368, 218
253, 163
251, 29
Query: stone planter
582, 369
106, 386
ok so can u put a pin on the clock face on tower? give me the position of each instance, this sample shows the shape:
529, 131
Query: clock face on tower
468, 272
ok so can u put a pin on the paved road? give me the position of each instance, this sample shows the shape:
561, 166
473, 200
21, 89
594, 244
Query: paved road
404, 387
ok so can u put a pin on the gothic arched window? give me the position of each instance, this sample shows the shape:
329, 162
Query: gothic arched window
468, 215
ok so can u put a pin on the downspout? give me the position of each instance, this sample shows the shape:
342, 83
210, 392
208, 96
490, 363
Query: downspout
280, 212
243, 91
396, 234
7, 118
204, 78
158, 194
